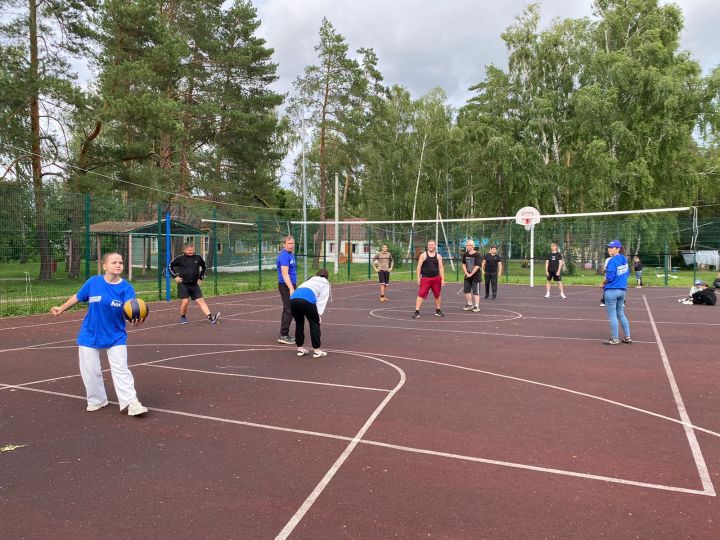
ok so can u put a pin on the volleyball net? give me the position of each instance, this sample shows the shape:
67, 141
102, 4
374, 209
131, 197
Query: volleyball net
666, 240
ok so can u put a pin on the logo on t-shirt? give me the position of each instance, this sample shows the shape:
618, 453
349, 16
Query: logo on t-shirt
94, 299
116, 303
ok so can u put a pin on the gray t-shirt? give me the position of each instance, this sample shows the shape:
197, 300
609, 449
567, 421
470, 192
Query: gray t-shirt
384, 261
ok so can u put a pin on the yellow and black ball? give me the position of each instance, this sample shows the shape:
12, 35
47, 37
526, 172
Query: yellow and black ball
135, 309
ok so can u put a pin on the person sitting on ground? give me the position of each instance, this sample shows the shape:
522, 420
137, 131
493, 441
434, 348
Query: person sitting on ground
703, 295
695, 288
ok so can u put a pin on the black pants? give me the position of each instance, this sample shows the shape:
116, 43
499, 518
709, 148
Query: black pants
490, 279
300, 310
286, 317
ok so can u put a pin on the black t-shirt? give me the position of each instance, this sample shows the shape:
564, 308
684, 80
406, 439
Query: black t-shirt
491, 263
471, 261
638, 266
554, 261
430, 266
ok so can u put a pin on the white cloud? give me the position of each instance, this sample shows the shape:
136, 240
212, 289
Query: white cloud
426, 43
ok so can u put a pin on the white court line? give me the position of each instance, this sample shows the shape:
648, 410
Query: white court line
692, 439
545, 385
427, 329
154, 363
278, 379
419, 360
560, 472
310, 500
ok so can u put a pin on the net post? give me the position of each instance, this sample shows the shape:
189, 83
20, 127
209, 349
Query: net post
258, 223
167, 255
159, 253
215, 253
666, 263
87, 236
457, 268
412, 254
348, 248
369, 245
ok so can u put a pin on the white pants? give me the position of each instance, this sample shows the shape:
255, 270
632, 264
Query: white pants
91, 372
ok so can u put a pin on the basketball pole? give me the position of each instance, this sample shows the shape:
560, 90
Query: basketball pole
532, 255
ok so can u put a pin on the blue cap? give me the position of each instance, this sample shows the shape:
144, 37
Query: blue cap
699, 282
615, 244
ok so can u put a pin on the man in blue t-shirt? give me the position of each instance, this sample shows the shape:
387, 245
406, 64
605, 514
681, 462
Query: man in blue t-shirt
617, 271
287, 282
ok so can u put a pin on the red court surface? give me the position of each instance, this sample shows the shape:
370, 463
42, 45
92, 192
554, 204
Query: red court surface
515, 422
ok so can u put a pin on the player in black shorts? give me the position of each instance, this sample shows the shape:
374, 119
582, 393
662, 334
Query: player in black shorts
188, 270
492, 267
471, 284
553, 270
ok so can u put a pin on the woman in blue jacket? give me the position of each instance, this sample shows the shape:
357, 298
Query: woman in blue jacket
615, 283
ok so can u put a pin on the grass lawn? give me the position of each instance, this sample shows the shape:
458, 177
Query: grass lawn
22, 293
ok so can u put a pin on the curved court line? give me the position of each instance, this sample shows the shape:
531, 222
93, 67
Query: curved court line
154, 363
421, 360
546, 385
428, 329
310, 500
465, 315
560, 472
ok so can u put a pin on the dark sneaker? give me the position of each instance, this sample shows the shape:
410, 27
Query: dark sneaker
612, 341
468, 307
214, 318
286, 340
416, 315
476, 309
439, 313
602, 304
626, 339
183, 320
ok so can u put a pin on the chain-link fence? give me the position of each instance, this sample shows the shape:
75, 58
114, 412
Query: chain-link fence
48, 250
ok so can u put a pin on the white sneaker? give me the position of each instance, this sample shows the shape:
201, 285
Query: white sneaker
93, 408
563, 297
547, 295
302, 351
467, 307
136, 408
688, 302
319, 354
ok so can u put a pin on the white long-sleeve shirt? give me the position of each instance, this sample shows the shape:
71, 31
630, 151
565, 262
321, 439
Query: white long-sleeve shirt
320, 289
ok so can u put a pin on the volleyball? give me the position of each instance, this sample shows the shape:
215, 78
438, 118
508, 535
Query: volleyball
135, 309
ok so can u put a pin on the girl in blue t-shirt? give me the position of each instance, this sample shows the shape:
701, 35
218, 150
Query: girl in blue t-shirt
104, 328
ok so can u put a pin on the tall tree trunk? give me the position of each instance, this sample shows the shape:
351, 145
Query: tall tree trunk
40, 218
78, 206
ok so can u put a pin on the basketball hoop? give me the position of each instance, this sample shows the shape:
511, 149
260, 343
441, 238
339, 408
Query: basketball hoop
528, 217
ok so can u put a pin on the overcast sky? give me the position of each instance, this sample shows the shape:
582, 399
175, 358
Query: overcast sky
422, 44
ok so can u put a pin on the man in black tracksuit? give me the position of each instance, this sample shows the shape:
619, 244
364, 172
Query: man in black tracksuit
188, 270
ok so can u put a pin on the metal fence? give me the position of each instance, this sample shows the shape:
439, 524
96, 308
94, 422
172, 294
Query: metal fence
46, 255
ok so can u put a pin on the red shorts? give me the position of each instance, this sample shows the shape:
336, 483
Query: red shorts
430, 283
